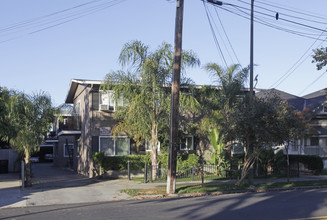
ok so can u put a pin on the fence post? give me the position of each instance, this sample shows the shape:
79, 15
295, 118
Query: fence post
202, 173
145, 172
193, 172
23, 173
129, 171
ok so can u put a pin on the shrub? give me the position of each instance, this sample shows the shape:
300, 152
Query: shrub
314, 163
137, 162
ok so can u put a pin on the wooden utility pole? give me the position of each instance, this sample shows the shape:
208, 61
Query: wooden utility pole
252, 135
251, 55
173, 145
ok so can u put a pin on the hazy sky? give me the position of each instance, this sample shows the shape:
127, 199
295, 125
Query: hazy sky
43, 46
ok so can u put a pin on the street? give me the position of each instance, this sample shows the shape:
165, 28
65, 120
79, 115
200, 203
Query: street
300, 204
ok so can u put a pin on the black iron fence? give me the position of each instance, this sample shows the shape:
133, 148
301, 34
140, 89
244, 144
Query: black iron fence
188, 172
202, 171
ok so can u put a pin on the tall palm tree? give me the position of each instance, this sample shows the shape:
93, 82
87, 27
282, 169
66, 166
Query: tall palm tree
231, 80
144, 87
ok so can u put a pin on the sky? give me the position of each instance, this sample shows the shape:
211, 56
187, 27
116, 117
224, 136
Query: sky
45, 44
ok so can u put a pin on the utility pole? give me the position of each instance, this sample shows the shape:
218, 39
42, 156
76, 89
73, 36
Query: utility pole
251, 56
171, 177
252, 135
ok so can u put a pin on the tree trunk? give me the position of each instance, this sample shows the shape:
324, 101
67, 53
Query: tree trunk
248, 156
154, 151
28, 179
288, 163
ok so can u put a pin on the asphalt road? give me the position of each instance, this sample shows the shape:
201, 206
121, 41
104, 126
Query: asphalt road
300, 204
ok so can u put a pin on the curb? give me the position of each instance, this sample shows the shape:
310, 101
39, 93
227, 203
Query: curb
187, 195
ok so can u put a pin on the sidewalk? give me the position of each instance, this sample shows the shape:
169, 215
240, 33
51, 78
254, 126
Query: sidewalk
53, 185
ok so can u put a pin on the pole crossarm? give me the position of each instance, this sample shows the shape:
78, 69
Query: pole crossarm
215, 2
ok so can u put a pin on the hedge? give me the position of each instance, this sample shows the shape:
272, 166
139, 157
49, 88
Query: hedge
314, 163
137, 162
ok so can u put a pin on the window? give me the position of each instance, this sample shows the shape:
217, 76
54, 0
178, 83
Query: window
68, 150
314, 141
324, 108
107, 101
114, 146
187, 143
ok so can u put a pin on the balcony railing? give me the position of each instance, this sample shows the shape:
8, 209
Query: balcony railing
70, 123
316, 150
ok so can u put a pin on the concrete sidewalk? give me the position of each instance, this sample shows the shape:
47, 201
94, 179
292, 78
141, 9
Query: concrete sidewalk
53, 185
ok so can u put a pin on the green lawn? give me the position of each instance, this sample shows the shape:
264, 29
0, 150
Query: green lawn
221, 187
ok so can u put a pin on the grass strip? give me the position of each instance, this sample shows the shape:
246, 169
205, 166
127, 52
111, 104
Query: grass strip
210, 187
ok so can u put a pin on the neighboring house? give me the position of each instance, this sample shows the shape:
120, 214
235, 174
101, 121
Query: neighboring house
9, 159
315, 140
77, 135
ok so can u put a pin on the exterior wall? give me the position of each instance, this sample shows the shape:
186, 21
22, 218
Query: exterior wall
59, 159
84, 161
11, 156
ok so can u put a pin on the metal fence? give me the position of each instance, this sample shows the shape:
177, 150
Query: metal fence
186, 172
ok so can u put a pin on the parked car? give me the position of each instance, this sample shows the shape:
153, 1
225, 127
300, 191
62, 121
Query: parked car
48, 157
34, 159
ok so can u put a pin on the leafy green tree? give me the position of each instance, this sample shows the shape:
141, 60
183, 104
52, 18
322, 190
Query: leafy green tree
320, 57
292, 127
145, 90
30, 118
270, 120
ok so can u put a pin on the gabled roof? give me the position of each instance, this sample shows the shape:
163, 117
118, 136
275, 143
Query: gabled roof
316, 94
74, 84
316, 99
295, 101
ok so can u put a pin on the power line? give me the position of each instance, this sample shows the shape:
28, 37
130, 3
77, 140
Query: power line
314, 81
292, 16
301, 12
221, 37
214, 35
230, 44
56, 19
257, 20
295, 66
283, 19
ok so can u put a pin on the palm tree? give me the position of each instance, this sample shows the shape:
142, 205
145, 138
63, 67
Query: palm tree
231, 80
145, 87
32, 117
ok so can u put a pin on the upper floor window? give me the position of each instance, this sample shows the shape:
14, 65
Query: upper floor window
324, 109
107, 101
187, 143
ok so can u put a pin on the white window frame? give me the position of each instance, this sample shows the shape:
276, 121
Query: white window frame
186, 139
114, 139
101, 93
65, 150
